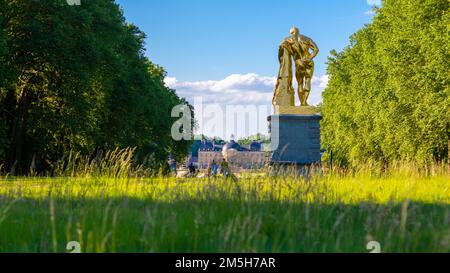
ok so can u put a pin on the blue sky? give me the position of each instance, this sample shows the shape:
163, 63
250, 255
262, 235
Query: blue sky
211, 39
226, 50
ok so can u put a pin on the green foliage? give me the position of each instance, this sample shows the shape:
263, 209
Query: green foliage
388, 97
82, 84
250, 139
3, 79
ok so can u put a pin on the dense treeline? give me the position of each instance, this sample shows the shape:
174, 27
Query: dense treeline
388, 98
75, 78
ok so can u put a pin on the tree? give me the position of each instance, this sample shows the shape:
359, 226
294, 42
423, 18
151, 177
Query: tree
253, 138
3, 80
82, 84
388, 97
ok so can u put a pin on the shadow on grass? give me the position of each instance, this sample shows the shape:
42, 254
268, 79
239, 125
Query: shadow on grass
211, 225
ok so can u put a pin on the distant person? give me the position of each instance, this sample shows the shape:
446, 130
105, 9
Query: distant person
224, 168
209, 170
226, 171
172, 166
214, 168
192, 169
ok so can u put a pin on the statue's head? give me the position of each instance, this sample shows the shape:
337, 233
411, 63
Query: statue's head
294, 31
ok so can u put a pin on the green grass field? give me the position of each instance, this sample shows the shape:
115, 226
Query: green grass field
404, 211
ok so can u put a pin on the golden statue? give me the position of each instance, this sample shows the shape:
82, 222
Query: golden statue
298, 48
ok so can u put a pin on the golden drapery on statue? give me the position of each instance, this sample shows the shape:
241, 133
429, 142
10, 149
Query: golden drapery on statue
296, 48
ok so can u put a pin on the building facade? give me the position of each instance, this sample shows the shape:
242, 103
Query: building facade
250, 157
244, 160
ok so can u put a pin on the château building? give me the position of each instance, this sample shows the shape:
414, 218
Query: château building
203, 152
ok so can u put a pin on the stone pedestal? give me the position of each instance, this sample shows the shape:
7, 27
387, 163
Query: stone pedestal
295, 139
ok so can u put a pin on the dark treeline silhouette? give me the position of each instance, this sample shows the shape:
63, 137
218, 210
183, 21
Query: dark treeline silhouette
75, 78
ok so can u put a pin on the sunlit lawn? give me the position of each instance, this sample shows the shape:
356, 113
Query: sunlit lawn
404, 212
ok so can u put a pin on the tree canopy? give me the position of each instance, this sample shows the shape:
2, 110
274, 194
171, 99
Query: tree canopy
249, 140
388, 98
78, 80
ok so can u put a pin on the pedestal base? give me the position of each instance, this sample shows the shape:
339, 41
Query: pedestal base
295, 139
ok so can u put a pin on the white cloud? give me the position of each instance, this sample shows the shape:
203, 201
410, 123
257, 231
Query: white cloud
247, 90
242, 89
374, 2
170, 81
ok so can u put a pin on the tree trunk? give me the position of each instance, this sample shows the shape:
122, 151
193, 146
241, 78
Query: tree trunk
14, 160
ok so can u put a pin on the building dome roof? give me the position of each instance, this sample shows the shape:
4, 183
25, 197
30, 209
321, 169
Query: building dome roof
232, 145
